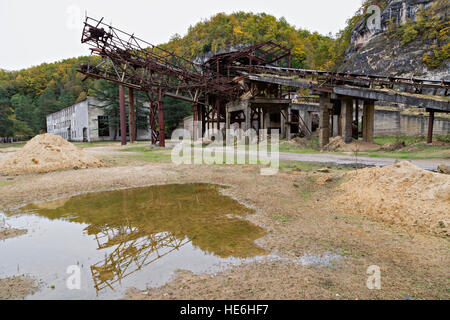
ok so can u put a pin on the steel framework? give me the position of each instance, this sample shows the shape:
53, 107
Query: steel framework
134, 63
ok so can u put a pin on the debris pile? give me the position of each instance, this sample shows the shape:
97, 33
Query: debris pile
338, 144
335, 144
46, 153
402, 195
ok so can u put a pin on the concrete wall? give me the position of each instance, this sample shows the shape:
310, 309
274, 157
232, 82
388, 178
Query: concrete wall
69, 122
83, 115
392, 122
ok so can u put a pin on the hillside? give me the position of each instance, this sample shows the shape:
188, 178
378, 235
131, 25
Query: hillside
413, 41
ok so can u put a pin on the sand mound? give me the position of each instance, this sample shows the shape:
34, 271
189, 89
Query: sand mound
338, 144
402, 195
46, 153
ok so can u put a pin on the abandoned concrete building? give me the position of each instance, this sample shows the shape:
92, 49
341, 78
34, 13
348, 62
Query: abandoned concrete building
86, 122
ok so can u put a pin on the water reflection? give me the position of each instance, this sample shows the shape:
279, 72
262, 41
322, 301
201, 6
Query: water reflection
137, 227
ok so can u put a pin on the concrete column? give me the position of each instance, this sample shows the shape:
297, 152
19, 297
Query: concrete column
368, 120
194, 124
288, 124
123, 115
248, 116
347, 119
324, 124
228, 119
336, 126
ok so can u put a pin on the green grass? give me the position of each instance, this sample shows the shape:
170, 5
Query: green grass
143, 149
12, 145
142, 153
95, 144
414, 149
309, 166
409, 140
420, 152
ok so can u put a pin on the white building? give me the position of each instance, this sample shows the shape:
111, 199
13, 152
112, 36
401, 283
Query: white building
86, 122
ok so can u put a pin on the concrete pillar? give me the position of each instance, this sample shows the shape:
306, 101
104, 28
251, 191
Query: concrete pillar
248, 117
336, 126
368, 120
132, 116
347, 119
228, 119
123, 115
288, 122
324, 124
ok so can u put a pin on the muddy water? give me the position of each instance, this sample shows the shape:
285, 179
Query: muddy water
128, 238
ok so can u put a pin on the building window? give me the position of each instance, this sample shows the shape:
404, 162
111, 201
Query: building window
103, 126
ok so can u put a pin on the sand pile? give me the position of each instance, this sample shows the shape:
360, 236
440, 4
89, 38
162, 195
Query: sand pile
46, 153
334, 144
402, 195
338, 144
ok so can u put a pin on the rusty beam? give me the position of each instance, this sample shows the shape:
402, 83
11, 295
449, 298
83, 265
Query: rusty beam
430, 127
123, 115
132, 116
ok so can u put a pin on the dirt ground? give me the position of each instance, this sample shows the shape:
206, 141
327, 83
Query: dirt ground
296, 210
17, 288
11, 233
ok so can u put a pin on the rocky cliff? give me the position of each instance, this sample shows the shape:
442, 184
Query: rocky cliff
412, 40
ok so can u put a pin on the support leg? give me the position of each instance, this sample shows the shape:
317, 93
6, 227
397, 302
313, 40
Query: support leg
132, 116
347, 119
430, 127
368, 121
123, 115
324, 125
162, 137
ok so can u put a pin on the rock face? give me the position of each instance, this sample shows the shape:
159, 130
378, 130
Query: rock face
373, 52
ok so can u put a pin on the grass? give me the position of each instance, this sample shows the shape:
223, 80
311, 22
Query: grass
309, 166
143, 153
419, 152
12, 145
415, 148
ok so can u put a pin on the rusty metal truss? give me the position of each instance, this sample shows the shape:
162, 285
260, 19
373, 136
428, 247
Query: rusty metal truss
326, 80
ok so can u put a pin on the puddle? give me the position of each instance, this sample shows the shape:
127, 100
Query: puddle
128, 238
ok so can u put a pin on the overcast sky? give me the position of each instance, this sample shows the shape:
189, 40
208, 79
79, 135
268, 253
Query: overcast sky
33, 32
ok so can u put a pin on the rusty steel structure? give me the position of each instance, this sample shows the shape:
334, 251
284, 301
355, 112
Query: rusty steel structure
327, 80
138, 65
134, 63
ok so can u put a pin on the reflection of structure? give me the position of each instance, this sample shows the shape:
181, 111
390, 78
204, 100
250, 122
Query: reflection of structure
133, 252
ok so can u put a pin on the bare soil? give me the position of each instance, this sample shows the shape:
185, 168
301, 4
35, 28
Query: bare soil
11, 233
297, 210
401, 194
16, 288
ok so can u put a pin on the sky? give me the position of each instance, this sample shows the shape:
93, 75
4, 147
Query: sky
34, 32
